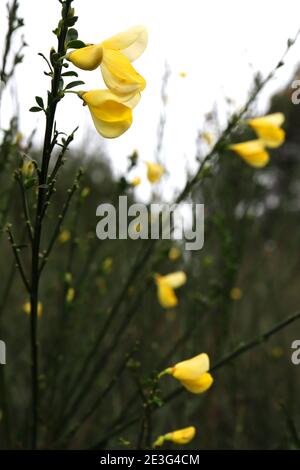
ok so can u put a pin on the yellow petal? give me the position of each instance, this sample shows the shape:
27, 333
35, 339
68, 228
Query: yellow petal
96, 98
181, 436
136, 181
174, 253
166, 296
275, 119
130, 43
86, 58
253, 152
119, 75
173, 280
268, 129
111, 118
271, 136
191, 369
154, 172
199, 385
27, 308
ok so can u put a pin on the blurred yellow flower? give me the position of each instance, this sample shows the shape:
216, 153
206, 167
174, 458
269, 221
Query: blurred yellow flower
181, 436
182, 74
19, 137
28, 168
207, 137
252, 151
268, 129
64, 236
114, 56
136, 181
107, 264
27, 308
174, 253
154, 171
236, 293
70, 295
192, 373
165, 288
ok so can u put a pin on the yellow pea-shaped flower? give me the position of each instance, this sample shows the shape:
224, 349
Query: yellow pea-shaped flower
253, 152
154, 171
86, 58
192, 373
268, 129
165, 288
114, 56
180, 436
111, 114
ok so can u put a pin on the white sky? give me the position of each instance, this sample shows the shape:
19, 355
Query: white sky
218, 43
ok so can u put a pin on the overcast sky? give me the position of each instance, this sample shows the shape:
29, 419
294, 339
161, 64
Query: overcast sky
219, 44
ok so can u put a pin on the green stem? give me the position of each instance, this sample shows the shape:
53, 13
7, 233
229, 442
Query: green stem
53, 99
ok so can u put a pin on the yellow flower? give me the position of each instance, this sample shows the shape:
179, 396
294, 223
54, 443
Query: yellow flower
192, 373
114, 56
154, 171
208, 138
27, 308
136, 181
28, 168
87, 58
165, 288
236, 293
174, 253
64, 236
112, 114
253, 152
182, 74
181, 436
70, 295
268, 129
107, 264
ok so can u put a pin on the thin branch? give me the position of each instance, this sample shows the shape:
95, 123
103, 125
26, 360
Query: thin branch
17, 257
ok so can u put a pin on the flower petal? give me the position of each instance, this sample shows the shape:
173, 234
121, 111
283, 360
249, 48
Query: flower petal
154, 171
275, 119
130, 43
253, 152
111, 118
174, 280
199, 385
166, 296
191, 369
181, 436
119, 75
86, 58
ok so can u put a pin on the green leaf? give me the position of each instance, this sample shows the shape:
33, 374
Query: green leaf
72, 84
39, 101
72, 34
76, 44
35, 109
69, 74
71, 21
